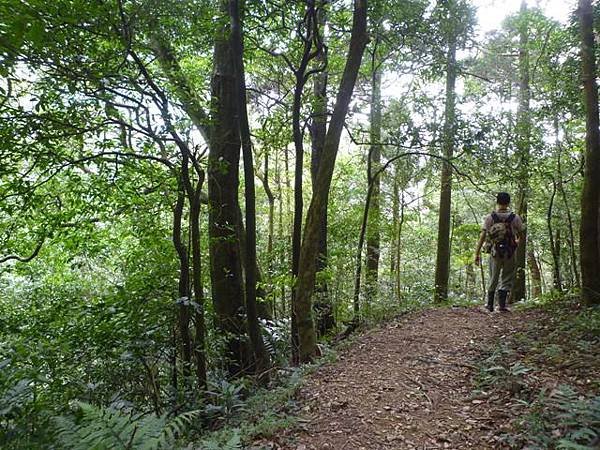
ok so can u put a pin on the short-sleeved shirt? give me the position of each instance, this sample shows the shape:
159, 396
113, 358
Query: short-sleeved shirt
516, 224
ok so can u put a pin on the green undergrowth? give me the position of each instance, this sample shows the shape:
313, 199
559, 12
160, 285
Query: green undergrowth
270, 410
262, 414
35, 414
546, 375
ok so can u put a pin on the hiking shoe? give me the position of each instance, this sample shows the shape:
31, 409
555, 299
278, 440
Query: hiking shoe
504, 310
490, 301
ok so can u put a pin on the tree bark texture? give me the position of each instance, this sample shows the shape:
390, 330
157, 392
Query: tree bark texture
183, 315
373, 232
442, 265
554, 242
589, 241
534, 270
523, 132
318, 130
223, 181
266, 307
398, 249
194, 194
260, 354
310, 51
571, 239
320, 196
395, 219
261, 358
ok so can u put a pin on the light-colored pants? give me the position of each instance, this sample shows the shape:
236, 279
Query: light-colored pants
502, 270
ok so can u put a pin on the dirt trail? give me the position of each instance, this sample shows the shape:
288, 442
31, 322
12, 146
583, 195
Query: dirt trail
406, 385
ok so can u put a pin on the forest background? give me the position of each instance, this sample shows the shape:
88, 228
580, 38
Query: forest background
195, 193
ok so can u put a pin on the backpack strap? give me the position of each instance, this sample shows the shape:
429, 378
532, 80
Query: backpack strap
495, 217
510, 218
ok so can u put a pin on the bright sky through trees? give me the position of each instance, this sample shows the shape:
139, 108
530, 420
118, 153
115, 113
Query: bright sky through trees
491, 13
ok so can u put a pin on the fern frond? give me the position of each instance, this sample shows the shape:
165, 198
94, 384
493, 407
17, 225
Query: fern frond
111, 429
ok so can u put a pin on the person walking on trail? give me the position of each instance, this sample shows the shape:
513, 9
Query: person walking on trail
500, 233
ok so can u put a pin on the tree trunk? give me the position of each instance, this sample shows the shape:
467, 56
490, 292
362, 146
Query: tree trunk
281, 232
266, 307
373, 233
309, 250
571, 228
558, 278
199, 321
311, 29
297, 134
194, 194
523, 148
361, 242
289, 235
536, 277
318, 130
262, 307
554, 244
589, 242
261, 357
399, 248
395, 220
573, 270
271, 218
442, 266
223, 181
298, 208
183, 301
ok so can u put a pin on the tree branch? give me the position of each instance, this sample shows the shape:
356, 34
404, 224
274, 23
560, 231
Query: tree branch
22, 258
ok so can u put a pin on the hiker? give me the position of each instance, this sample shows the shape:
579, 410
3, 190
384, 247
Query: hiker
500, 232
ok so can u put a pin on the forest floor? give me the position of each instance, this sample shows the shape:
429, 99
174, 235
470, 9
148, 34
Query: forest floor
445, 378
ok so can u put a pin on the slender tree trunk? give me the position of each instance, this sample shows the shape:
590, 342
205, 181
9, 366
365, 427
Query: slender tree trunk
281, 232
573, 270
395, 220
260, 355
589, 241
442, 266
571, 228
267, 307
399, 249
554, 245
361, 243
185, 93
184, 281
271, 218
289, 234
534, 269
538, 259
310, 28
261, 295
199, 321
223, 181
298, 197
173, 359
523, 148
373, 232
298, 207
194, 194
318, 131
558, 276
320, 196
